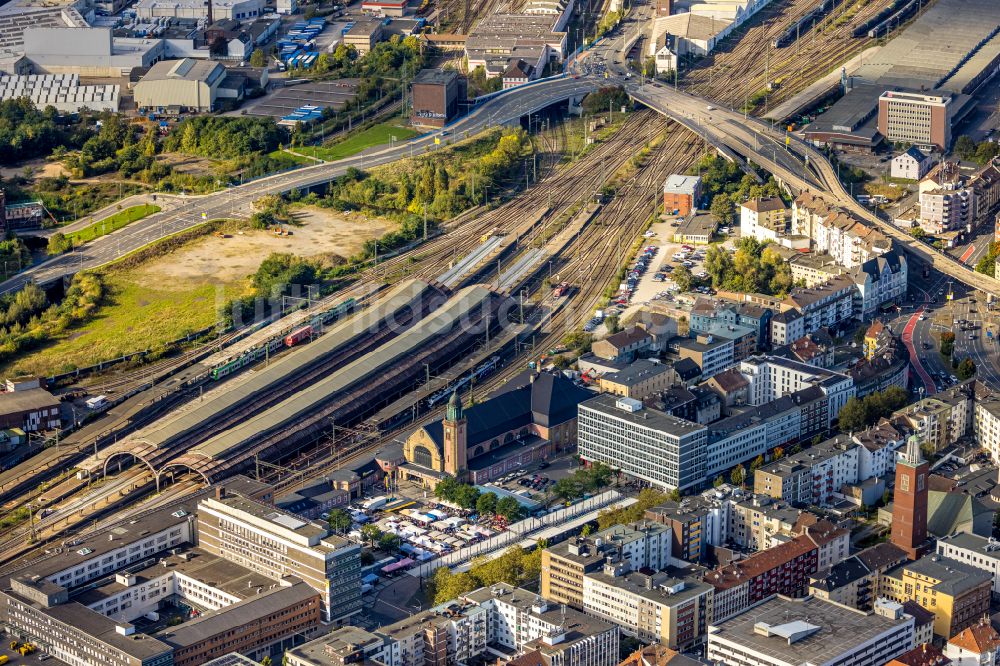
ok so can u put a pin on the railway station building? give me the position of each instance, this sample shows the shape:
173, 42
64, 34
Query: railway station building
529, 419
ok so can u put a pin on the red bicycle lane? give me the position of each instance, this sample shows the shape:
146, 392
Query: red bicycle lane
929, 388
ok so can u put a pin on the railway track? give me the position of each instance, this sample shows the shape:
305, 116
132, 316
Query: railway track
754, 62
569, 182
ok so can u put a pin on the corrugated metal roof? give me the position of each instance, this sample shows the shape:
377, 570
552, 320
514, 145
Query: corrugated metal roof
341, 334
452, 313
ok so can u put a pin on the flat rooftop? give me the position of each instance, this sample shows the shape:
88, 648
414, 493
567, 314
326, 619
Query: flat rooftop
645, 417
839, 629
930, 52
196, 564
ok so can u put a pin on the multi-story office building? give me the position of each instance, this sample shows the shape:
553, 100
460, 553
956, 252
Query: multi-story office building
645, 443
790, 632
278, 544
742, 437
39, 611
694, 523
917, 118
671, 607
957, 593
270, 621
681, 194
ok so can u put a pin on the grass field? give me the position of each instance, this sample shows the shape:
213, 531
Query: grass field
117, 221
136, 313
376, 135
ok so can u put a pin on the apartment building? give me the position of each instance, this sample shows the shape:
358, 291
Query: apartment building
918, 118
638, 380
707, 314
986, 185
278, 544
946, 200
942, 418
524, 622
977, 645
911, 164
565, 564
712, 353
976, 551
642, 442
772, 377
783, 569
695, 523
880, 280
813, 476
814, 268
696, 403
824, 305
671, 607
756, 521
835, 232
790, 632
879, 444
986, 423
623, 346
787, 326
957, 593
763, 218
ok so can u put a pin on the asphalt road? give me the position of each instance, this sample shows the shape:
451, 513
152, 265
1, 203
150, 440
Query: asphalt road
503, 109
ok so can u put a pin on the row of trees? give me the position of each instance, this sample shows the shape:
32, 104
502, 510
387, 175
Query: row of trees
647, 498
754, 267
224, 137
987, 264
582, 481
860, 413
470, 498
515, 567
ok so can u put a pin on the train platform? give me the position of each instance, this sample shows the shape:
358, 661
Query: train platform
820, 88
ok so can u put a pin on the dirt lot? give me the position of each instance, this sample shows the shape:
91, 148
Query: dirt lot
228, 260
181, 292
39, 169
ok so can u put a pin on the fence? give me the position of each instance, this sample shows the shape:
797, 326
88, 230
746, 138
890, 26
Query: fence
516, 533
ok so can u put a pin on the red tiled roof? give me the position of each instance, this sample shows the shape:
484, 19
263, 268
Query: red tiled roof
979, 638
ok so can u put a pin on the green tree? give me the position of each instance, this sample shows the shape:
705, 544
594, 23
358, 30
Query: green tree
587, 530
266, 661
682, 276
371, 533
722, 208
58, 244
756, 463
718, 481
389, 542
509, 508
738, 476
947, 343
612, 323
965, 147
918, 232
675, 495
486, 504
853, 415
966, 369
467, 497
258, 59
339, 520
